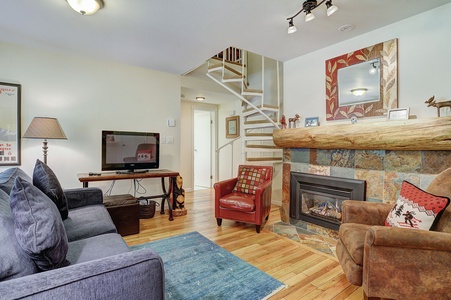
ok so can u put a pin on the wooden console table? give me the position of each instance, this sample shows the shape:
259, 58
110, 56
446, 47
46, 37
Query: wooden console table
85, 178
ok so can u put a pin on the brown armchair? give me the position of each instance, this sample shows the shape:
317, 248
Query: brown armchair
244, 207
396, 263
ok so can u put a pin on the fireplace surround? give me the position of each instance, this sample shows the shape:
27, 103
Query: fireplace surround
317, 199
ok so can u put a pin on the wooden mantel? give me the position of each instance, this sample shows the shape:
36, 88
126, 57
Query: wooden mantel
416, 134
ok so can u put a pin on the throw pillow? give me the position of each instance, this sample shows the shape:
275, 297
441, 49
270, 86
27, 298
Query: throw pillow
249, 178
415, 208
38, 226
8, 176
47, 182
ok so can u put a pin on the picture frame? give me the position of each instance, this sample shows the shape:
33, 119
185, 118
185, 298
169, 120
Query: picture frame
312, 122
398, 114
232, 127
10, 133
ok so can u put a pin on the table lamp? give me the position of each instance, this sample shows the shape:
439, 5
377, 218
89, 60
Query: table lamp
44, 128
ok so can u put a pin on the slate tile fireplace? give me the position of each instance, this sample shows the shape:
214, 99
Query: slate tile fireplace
317, 199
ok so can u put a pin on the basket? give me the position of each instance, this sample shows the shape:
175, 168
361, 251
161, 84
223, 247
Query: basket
147, 209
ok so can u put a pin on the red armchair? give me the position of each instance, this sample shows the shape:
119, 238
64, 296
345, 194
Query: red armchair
243, 205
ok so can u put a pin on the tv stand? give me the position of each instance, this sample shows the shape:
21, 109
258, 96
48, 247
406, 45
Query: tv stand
85, 178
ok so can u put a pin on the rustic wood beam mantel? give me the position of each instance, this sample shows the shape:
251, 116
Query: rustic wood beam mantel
416, 134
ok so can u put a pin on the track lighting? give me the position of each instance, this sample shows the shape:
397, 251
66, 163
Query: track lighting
307, 7
291, 27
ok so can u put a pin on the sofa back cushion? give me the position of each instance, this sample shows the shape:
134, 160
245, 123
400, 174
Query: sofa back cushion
14, 262
441, 186
38, 226
45, 179
8, 176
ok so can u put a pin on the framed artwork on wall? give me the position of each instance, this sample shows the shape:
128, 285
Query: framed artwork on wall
232, 127
9, 124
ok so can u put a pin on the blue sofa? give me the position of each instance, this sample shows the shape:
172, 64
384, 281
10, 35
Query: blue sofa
98, 263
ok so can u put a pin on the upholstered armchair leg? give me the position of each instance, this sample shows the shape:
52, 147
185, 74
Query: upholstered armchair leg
258, 227
219, 221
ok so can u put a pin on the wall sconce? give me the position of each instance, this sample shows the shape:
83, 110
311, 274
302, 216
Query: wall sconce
359, 91
86, 7
44, 128
373, 69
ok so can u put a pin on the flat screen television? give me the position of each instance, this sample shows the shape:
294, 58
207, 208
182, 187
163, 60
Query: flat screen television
128, 151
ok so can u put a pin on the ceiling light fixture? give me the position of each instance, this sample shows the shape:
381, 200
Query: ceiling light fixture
200, 98
291, 27
307, 7
359, 91
86, 7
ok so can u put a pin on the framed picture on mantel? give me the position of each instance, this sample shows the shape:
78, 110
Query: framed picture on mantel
232, 127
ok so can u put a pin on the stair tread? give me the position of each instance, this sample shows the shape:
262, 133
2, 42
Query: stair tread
265, 121
265, 106
264, 158
263, 146
252, 91
259, 134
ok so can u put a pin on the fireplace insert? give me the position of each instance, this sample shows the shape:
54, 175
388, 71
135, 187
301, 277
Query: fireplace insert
317, 199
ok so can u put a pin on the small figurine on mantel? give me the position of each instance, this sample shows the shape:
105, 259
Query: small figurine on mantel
283, 122
293, 120
431, 102
178, 198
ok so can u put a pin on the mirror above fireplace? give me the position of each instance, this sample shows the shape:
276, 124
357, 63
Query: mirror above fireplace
348, 75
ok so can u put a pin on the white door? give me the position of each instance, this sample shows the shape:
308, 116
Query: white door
202, 149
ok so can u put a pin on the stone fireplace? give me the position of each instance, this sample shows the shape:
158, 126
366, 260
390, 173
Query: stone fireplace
317, 199
382, 153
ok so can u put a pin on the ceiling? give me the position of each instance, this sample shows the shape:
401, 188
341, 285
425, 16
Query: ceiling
178, 36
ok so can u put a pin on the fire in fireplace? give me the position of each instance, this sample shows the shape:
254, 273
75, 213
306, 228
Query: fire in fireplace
317, 199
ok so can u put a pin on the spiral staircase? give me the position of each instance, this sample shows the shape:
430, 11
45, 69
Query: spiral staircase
260, 112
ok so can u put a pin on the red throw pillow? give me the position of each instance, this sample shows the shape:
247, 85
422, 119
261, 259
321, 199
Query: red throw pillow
249, 178
415, 208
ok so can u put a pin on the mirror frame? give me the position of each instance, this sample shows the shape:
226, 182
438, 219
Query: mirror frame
388, 54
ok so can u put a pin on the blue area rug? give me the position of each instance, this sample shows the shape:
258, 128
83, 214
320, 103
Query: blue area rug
197, 268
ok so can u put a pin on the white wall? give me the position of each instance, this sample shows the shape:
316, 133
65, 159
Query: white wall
424, 60
87, 96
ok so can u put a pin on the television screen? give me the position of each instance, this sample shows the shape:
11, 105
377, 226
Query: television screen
130, 151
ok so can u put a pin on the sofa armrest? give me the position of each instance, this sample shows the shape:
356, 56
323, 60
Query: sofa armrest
402, 263
79, 197
364, 212
133, 275
224, 187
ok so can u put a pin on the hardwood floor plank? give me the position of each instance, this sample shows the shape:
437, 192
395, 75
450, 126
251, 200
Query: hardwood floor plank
308, 273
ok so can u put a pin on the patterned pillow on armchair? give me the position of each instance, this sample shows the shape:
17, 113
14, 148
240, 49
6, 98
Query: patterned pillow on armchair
249, 178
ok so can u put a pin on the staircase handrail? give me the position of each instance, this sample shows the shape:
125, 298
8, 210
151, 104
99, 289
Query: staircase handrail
228, 143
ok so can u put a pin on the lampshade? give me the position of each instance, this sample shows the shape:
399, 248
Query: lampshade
85, 7
291, 27
309, 16
44, 128
330, 8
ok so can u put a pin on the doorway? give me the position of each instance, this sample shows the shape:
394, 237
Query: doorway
204, 141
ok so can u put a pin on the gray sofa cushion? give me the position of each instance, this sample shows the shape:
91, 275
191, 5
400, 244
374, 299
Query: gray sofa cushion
14, 262
38, 226
46, 181
96, 247
8, 176
88, 221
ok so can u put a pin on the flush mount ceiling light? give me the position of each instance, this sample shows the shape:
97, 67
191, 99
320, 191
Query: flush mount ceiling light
200, 98
359, 91
86, 7
307, 7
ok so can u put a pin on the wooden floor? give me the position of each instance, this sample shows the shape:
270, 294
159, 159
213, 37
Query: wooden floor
309, 274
